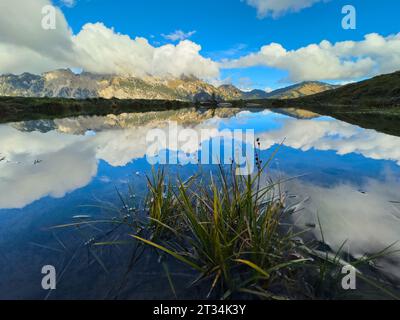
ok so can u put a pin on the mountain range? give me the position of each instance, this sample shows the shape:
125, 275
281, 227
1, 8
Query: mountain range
66, 84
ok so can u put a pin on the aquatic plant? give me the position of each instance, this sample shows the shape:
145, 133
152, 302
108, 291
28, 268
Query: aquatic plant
235, 232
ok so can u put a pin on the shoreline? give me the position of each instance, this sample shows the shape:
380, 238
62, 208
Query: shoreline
383, 117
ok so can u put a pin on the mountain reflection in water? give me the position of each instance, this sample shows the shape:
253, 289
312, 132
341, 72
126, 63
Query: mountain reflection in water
51, 167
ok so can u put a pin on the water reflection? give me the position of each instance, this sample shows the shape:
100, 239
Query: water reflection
367, 219
352, 174
63, 157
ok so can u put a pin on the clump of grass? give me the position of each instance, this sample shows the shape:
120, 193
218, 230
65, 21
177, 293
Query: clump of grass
161, 204
234, 231
227, 227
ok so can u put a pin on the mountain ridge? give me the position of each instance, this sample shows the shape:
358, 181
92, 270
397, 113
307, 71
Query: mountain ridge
63, 83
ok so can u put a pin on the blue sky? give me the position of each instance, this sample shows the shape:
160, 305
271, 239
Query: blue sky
231, 28
226, 30
224, 24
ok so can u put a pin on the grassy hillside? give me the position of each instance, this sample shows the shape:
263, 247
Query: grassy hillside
380, 91
301, 90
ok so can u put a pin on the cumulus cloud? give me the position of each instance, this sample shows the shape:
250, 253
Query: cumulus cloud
276, 8
17, 59
346, 60
21, 25
26, 46
179, 35
102, 50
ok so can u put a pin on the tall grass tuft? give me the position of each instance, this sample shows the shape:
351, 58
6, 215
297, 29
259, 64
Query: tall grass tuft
234, 231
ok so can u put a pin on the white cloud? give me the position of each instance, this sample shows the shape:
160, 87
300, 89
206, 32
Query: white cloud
21, 28
347, 60
26, 46
276, 8
69, 3
102, 50
179, 35
17, 59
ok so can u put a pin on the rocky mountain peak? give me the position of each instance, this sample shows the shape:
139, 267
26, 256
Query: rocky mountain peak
66, 84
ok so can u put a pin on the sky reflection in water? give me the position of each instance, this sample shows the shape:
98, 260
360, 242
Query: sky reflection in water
351, 175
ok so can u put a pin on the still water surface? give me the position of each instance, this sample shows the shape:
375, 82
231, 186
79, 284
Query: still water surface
52, 170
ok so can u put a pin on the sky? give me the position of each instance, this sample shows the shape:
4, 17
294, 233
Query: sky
263, 44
